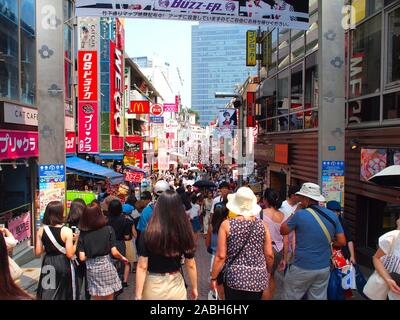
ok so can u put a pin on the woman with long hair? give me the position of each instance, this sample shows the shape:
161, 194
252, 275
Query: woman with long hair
245, 248
168, 236
8, 289
96, 243
58, 274
274, 219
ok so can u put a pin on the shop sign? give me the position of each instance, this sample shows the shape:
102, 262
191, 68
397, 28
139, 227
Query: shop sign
18, 144
70, 142
251, 109
282, 153
157, 120
170, 107
333, 181
87, 76
157, 110
135, 177
20, 226
20, 115
280, 15
139, 107
88, 197
88, 33
134, 148
88, 127
251, 48
117, 74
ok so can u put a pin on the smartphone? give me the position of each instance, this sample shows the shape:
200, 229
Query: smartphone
73, 228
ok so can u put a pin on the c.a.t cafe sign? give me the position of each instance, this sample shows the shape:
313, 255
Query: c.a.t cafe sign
157, 110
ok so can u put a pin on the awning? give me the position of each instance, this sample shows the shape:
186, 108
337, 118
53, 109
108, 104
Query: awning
265, 89
89, 169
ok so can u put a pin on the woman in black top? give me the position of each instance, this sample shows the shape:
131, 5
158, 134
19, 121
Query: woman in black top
58, 278
168, 236
96, 243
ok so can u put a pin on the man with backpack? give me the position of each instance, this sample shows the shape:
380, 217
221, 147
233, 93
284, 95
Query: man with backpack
317, 229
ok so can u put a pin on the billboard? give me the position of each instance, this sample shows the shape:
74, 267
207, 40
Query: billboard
291, 14
117, 75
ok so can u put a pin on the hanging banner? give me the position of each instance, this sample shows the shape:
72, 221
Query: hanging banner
88, 127
291, 14
251, 48
18, 144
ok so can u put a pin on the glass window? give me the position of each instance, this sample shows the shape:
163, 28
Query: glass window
9, 48
283, 52
365, 59
283, 90
296, 121
391, 106
393, 60
311, 119
28, 54
297, 45
312, 33
365, 8
68, 41
273, 51
297, 87
311, 82
365, 110
68, 79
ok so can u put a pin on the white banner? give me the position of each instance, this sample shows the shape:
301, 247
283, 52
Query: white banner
291, 14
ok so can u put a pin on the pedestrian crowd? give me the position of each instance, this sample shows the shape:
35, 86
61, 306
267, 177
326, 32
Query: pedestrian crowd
260, 246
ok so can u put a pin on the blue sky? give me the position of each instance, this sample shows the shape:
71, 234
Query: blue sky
168, 39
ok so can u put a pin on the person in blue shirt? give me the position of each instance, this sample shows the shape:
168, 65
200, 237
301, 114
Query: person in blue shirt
317, 228
145, 216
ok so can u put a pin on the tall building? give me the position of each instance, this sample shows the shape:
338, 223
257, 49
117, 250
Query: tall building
218, 64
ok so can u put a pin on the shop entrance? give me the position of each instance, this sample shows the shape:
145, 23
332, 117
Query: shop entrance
277, 181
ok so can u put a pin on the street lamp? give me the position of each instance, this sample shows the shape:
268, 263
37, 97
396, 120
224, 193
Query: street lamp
238, 104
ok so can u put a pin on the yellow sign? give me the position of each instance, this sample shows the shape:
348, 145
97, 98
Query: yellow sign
251, 48
359, 7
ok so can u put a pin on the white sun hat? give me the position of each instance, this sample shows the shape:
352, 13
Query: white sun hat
243, 203
312, 191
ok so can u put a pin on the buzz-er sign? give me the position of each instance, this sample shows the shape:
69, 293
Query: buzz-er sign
289, 14
251, 48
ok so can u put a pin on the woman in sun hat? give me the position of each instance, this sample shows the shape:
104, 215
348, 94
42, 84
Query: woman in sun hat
244, 246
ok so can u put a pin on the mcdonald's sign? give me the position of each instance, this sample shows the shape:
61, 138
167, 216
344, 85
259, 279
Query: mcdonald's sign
139, 107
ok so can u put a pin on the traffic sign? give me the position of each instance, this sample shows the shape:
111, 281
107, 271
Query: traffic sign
157, 110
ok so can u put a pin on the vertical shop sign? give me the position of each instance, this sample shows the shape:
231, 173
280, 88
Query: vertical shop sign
251, 48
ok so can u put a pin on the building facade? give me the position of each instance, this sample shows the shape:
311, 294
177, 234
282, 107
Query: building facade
218, 64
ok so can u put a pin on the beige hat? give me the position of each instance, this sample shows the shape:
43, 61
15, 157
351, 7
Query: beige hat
312, 191
243, 202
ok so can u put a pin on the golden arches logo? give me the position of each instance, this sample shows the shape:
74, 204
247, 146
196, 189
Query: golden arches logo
139, 107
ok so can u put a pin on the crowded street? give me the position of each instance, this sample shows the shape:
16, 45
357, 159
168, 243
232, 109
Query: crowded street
226, 151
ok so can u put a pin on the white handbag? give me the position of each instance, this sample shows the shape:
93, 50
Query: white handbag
15, 271
376, 287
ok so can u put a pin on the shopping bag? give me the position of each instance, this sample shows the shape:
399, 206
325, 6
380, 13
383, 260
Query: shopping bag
213, 295
348, 277
360, 280
335, 290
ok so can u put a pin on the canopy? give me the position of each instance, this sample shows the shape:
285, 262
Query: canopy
389, 176
89, 169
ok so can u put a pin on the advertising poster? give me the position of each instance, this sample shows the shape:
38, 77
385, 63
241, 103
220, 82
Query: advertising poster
372, 162
333, 181
269, 13
20, 226
227, 118
51, 185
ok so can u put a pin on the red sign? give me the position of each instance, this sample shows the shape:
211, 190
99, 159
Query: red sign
282, 153
117, 143
134, 176
134, 148
87, 75
139, 107
170, 135
88, 127
157, 110
20, 227
18, 144
250, 109
70, 142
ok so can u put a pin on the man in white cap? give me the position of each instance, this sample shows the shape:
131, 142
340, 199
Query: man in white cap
317, 228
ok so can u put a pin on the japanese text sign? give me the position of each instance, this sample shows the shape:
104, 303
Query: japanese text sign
18, 144
88, 127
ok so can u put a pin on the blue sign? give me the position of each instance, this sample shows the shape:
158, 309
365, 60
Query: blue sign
331, 148
332, 168
51, 173
154, 119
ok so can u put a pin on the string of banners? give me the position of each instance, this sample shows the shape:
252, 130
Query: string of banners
293, 14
